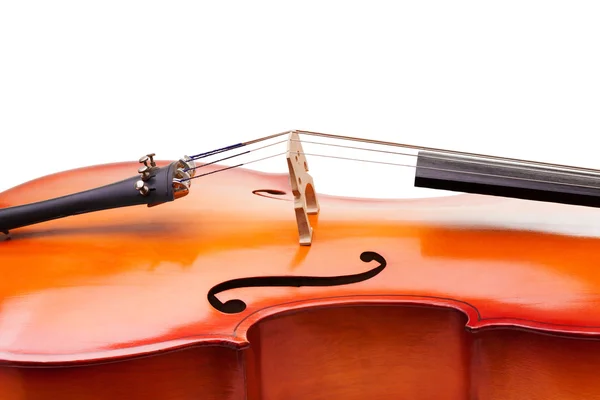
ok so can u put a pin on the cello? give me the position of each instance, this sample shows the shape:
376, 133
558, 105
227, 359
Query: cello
238, 284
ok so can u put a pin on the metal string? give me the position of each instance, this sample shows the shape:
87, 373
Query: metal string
233, 166
399, 165
416, 147
235, 146
227, 158
432, 157
216, 151
589, 172
560, 167
396, 164
451, 170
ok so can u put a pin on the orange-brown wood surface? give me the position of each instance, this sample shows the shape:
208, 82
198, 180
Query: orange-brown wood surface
94, 306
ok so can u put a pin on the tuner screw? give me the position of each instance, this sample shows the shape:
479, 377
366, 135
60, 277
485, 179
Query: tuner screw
145, 171
141, 187
188, 165
148, 158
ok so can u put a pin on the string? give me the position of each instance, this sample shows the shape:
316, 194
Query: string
432, 157
450, 170
400, 165
233, 166
585, 171
227, 158
217, 151
417, 147
219, 160
561, 167
235, 146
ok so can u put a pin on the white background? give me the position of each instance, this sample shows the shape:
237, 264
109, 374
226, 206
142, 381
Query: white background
84, 83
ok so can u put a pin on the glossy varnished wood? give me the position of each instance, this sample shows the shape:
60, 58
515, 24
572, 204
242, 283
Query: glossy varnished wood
209, 372
509, 364
353, 352
374, 352
131, 282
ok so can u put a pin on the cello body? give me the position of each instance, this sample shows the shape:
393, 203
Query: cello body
461, 297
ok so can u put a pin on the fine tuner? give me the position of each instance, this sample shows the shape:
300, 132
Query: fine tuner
185, 170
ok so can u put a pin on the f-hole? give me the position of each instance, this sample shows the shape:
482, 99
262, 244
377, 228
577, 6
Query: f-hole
270, 193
